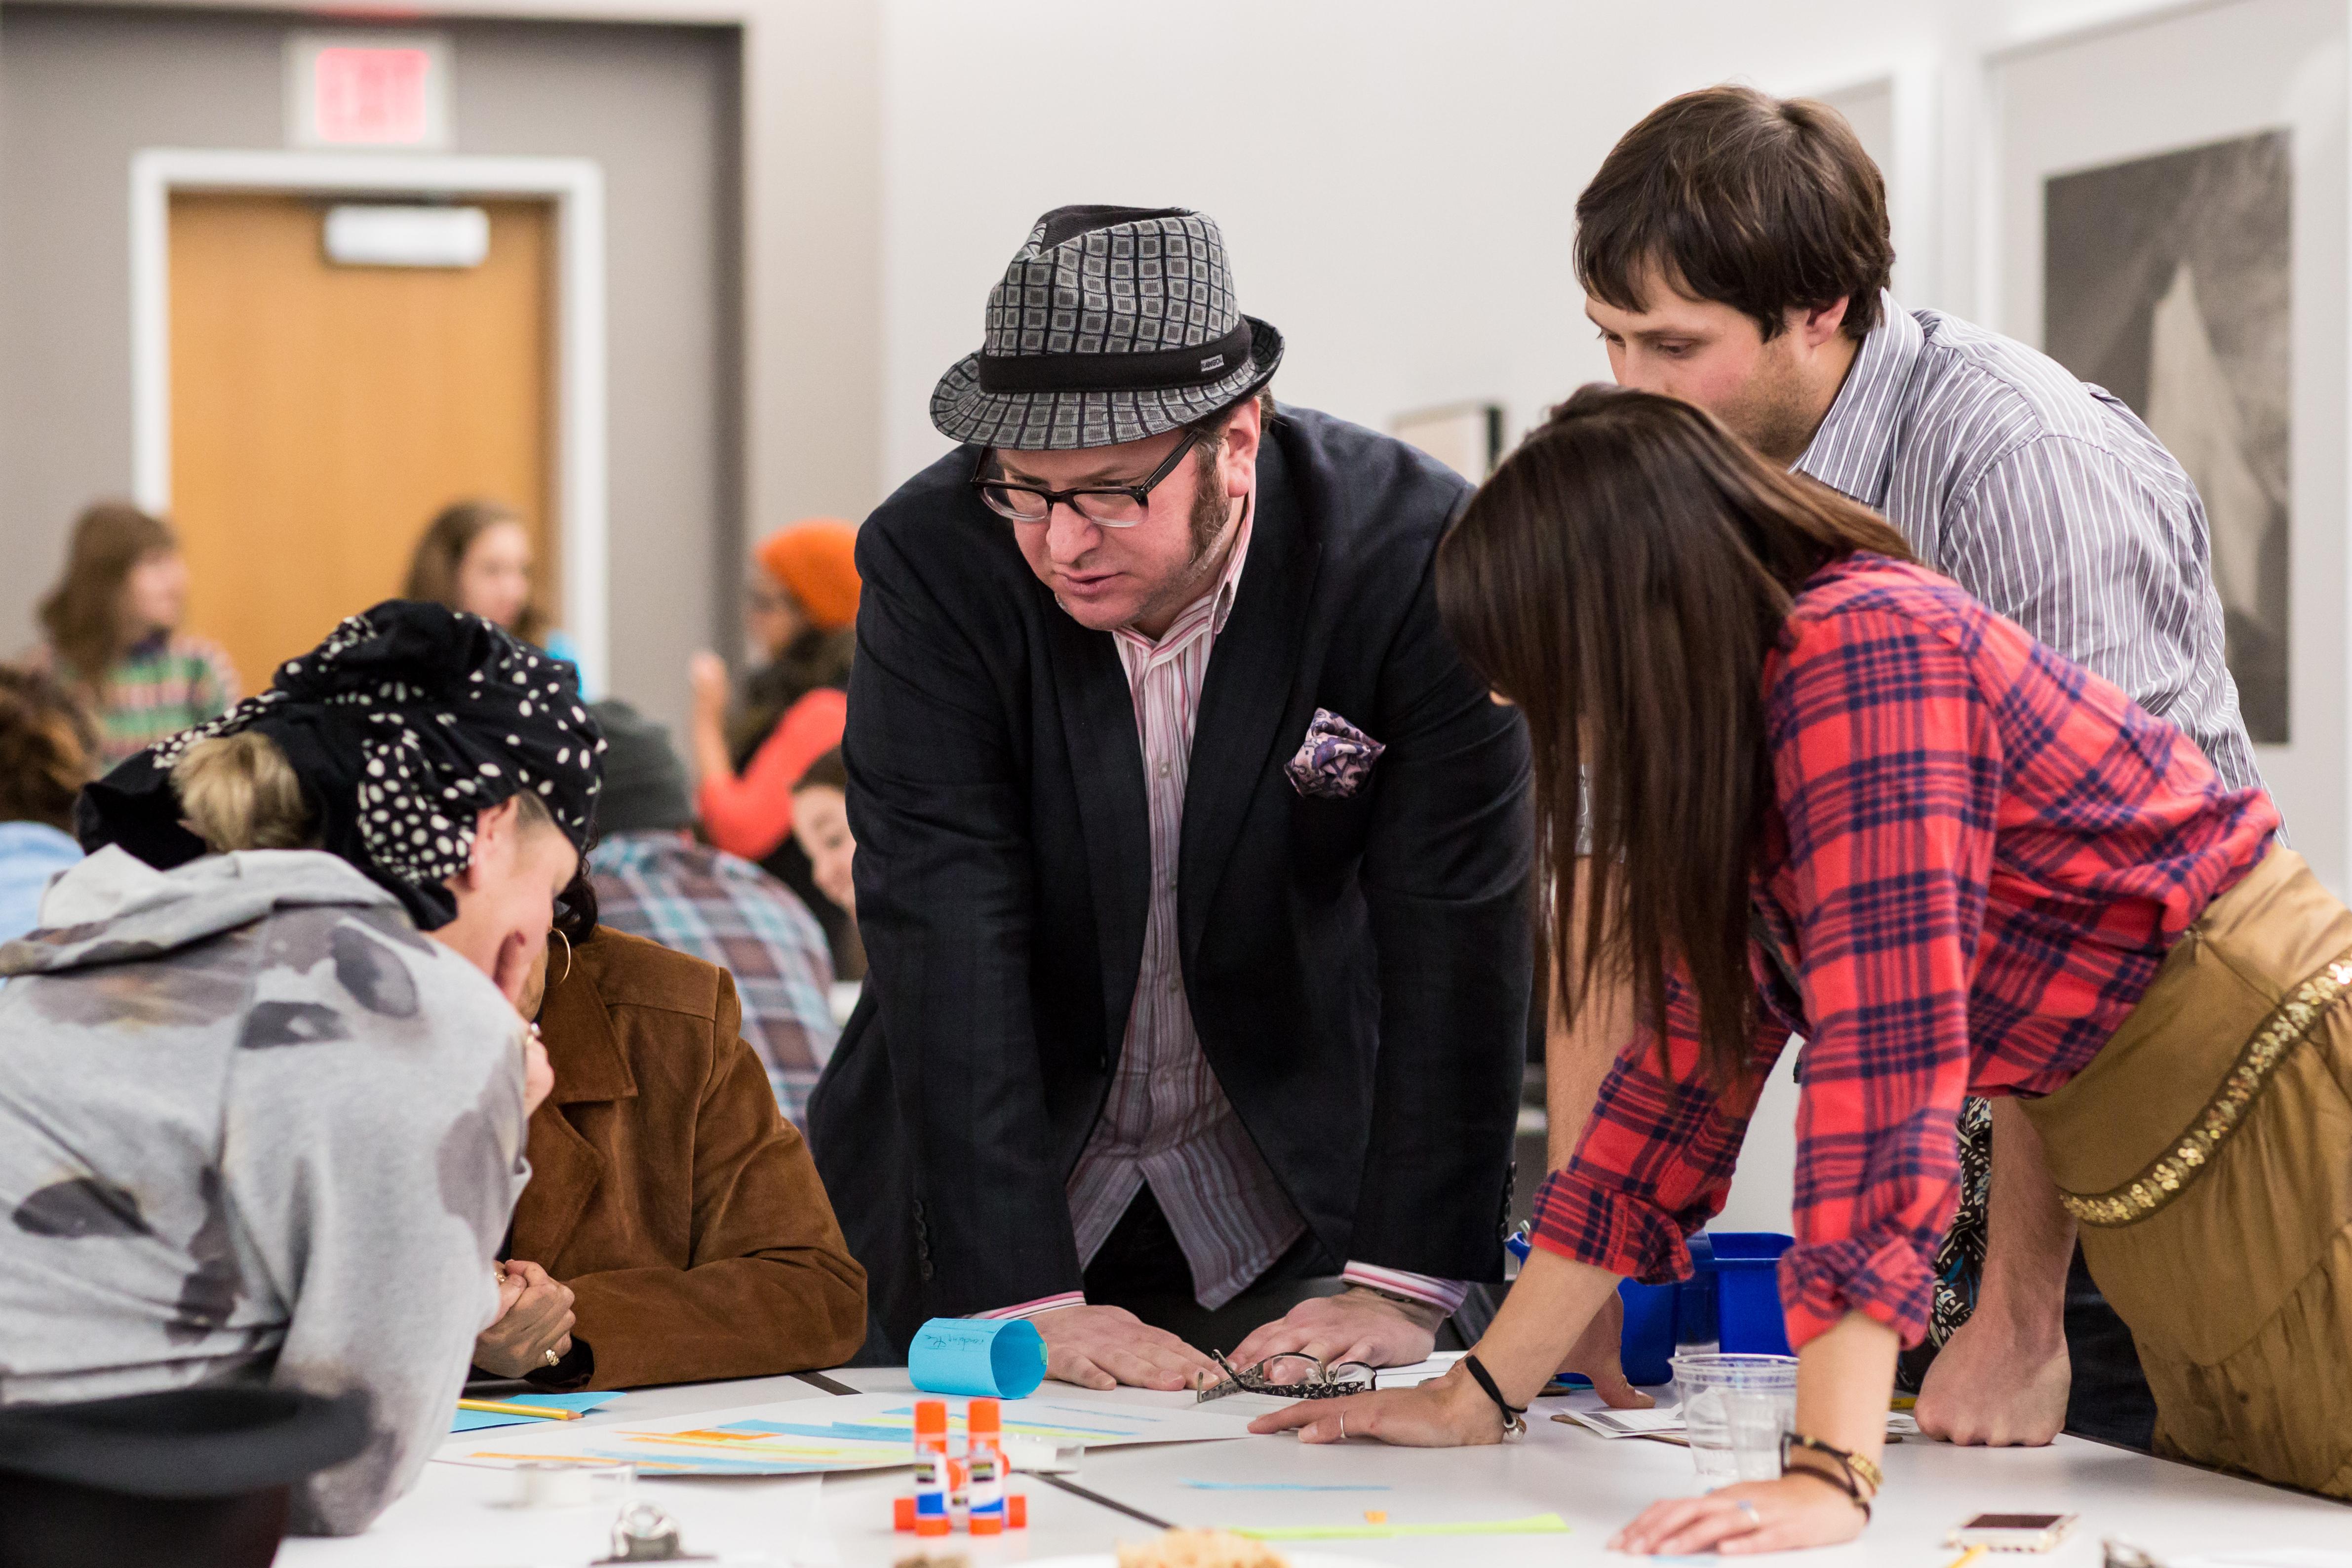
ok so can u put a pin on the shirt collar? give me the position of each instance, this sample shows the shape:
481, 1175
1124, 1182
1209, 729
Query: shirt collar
1853, 450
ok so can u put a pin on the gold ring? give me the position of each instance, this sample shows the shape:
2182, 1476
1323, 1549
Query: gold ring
553, 1359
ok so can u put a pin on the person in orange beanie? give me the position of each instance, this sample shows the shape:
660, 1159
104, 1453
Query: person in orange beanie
800, 615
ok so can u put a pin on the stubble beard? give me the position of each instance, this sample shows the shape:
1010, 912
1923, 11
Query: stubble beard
1772, 413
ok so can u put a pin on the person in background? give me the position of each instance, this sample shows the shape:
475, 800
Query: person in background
114, 639
477, 556
654, 881
194, 1048
674, 1229
821, 823
1734, 253
800, 618
45, 747
1830, 795
800, 614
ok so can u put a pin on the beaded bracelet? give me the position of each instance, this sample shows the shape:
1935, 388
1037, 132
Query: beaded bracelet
1855, 1467
1841, 1485
1855, 1471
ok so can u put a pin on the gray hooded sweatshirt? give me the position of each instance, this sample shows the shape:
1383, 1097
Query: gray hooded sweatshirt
252, 1125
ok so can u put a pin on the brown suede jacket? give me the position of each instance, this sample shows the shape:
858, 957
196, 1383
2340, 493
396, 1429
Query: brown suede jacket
667, 1191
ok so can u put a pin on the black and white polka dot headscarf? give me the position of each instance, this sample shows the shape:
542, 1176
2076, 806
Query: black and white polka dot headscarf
402, 725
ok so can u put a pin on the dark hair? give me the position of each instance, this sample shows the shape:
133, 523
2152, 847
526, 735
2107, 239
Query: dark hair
1762, 204
46, 747
816, 659
828, 772
83, 614
1622, 578
575, 907
433, 569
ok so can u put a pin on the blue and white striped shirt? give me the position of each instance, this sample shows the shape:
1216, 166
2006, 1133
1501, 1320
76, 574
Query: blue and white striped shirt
2046, 499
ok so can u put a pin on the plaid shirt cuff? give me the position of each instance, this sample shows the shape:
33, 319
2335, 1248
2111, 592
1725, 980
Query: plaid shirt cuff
1889, 1281
1041, 1304
1446, 1295
1581, 1220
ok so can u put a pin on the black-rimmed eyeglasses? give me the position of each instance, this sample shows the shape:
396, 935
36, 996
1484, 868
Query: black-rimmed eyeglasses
1112, 506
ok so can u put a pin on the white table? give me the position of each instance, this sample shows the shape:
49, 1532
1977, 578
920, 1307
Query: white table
456, 1517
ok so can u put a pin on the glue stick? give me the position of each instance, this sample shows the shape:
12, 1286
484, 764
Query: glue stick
932, 1467
984, 1454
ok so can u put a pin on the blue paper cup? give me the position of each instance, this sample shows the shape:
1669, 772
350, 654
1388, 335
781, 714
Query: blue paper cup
988, 1358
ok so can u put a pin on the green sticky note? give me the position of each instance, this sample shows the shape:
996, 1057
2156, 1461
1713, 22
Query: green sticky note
1534, 1524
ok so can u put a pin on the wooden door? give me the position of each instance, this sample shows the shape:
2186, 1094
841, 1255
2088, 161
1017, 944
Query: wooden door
323, 413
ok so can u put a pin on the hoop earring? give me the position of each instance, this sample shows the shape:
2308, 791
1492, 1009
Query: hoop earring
557, 933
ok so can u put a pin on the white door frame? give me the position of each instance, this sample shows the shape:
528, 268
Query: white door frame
577, 187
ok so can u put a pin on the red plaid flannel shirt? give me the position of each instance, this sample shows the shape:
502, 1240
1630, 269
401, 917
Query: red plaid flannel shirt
1978, 855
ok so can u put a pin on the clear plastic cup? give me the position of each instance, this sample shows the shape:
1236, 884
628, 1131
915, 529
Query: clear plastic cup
1735, 1409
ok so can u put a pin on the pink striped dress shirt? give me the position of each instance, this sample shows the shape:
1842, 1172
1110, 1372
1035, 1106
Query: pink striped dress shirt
1167, 1121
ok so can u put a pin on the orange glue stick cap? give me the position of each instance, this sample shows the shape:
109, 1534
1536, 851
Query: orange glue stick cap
984, 1422
931, 1425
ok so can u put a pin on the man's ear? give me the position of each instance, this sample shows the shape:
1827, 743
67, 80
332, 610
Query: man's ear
1817, 327
1238, 462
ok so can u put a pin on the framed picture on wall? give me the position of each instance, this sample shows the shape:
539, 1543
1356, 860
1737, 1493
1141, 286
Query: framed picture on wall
1466, 437
2173, 228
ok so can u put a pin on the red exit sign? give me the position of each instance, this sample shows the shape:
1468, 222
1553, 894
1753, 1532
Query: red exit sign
368, 90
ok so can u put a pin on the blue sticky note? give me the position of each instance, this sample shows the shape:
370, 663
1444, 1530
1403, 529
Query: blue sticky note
988, 1358
475, 1420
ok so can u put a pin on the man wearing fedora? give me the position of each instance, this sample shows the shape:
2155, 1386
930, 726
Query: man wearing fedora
1191, 860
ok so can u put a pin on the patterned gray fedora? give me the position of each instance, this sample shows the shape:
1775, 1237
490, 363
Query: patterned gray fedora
1112, 324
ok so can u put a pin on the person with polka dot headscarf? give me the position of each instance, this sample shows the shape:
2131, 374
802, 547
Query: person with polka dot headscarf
263, 1081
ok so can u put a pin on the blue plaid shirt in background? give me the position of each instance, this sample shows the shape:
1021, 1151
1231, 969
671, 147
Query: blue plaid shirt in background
668, 889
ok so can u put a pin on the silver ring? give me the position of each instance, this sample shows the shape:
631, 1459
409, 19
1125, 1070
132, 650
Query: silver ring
554, 1359
1343, 1426
1749, 1510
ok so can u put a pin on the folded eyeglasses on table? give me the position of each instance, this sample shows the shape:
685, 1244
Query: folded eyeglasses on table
1291, 1376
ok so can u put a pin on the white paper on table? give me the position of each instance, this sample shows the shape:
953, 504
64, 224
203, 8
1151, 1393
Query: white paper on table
1667, 1421
1419, 1373
852, 1432
2285, 1557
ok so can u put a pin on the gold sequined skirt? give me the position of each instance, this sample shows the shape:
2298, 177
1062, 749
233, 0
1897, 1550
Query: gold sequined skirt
2207, 1154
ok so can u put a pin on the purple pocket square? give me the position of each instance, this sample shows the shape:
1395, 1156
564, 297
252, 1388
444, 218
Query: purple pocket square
1336, 759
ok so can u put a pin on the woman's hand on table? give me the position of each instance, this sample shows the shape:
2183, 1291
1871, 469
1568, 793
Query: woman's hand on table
1357, 1324
1754, 1516
1597, 1356
534, 1317
1449, 1412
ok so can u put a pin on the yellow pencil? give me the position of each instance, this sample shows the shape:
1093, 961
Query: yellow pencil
537, 1412
1964, 1558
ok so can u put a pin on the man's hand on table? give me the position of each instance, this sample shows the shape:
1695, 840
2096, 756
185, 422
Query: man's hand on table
1994, 1386
1357, 1324
1102, 1347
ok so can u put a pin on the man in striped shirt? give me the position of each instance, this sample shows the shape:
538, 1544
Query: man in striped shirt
1734, 252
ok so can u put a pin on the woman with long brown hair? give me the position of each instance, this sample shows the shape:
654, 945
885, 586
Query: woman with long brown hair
1827, 794
114, 639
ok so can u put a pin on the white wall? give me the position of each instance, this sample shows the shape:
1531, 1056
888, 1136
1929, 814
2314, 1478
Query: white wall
1394, 178
1395, 182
